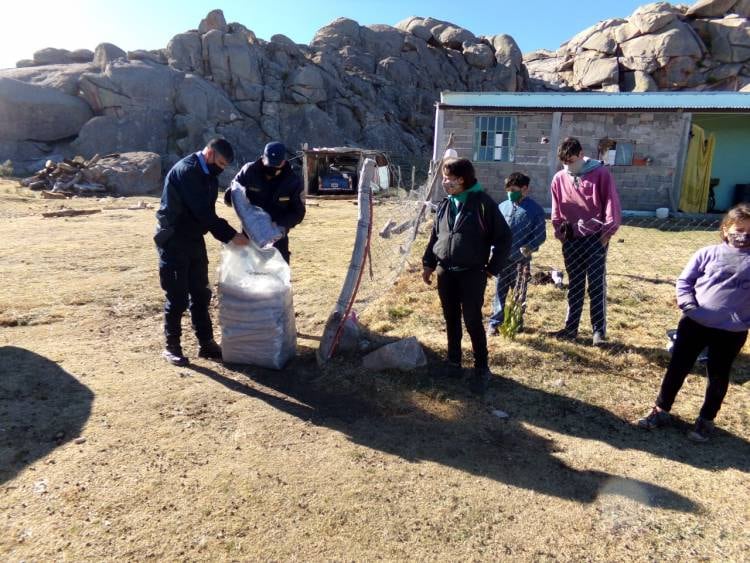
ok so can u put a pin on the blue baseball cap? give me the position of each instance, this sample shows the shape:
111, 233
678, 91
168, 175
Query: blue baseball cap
274, 154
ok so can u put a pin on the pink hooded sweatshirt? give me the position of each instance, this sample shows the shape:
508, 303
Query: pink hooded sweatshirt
588, 201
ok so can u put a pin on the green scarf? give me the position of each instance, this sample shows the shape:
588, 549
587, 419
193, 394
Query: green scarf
459, 199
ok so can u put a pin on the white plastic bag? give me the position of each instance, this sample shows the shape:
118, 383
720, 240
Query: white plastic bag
256, 312
255, 221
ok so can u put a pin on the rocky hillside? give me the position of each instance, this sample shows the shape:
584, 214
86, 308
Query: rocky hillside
371, 86
659, 47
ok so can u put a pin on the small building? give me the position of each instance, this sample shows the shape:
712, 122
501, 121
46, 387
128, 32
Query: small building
335, 170
681, 150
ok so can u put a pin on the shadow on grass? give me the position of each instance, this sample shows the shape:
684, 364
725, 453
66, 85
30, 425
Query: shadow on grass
506, 452
41, 407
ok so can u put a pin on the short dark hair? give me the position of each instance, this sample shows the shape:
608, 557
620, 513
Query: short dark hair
568, 148
461, 168
740, 212
518, 179
222, 147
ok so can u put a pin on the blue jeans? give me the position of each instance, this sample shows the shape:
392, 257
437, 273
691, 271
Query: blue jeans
505, 280
586, 260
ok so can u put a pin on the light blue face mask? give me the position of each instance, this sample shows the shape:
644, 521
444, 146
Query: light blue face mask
514, 197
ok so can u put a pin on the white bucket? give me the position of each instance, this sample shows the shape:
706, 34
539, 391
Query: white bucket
662, 212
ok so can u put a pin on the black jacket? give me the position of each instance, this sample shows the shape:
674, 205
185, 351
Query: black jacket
188, 205
280, 197
479, 239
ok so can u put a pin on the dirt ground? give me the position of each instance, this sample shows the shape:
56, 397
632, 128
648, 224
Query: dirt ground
108, 453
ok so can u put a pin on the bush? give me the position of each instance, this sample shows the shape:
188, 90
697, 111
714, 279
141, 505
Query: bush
6, 168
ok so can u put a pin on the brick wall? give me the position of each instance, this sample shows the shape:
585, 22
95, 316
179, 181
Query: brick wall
656, 135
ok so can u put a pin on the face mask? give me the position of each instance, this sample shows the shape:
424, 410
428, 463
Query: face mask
738, 240
514, 197
271, 171
215, 170
575, 167
450, 187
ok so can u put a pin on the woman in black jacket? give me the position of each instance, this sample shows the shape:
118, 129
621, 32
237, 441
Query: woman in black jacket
469, 243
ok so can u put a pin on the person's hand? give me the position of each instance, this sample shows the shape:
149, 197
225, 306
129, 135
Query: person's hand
240, 240
604, 238
427, 275
525, 251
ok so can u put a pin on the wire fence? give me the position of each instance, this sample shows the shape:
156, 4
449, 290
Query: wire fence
633, 309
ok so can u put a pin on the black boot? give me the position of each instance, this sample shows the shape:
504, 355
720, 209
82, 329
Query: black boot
480, 380
173, 354
210, 350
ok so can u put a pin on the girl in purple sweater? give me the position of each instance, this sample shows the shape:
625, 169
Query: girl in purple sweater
713, 292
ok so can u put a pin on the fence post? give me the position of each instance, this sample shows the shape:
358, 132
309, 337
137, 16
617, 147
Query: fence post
413, 175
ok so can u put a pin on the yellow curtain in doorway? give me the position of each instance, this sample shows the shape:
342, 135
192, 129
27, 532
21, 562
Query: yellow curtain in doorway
697, 176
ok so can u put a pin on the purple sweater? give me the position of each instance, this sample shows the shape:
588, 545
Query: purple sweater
714, 288
588, 202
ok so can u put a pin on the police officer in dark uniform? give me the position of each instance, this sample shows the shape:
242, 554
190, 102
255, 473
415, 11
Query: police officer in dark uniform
271, 184
187, 212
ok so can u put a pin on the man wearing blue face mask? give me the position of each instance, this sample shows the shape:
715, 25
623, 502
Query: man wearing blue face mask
270, 183
525, 217
186, 213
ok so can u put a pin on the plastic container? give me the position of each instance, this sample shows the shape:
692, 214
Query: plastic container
662, 212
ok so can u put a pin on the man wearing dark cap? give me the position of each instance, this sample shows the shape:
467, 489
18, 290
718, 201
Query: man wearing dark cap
187, 212
271, 184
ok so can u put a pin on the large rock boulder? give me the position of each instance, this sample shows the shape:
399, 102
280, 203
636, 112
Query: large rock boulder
729, 38
653, 17
135, 131
185, 52
710, 8
106, 53
52, 56
130, 173
31, 112
64, 78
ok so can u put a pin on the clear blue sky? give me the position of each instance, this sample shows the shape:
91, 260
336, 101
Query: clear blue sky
149, 24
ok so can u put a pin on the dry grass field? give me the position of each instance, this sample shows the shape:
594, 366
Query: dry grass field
108, 453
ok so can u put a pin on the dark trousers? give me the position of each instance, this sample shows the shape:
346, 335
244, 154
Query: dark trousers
463, 292
183, 272
586, 259
282, 245
723, 348
506, 279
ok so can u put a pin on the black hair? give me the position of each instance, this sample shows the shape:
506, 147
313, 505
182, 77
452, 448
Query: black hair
222, 147
740, 212
518, 179
568, 148
461, 168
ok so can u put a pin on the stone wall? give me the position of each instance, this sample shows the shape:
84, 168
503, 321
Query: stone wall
657, 136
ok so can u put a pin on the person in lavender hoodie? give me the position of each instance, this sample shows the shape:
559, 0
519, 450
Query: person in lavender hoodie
713, 293
585, 215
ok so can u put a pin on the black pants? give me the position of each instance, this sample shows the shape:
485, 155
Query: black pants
463, 292
183, 272
723, 348
282, 245
586, 259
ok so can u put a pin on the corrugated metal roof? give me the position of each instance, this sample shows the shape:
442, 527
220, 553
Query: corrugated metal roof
656, 101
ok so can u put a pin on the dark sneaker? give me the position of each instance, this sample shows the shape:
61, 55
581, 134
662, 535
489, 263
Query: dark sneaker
492, 330
655, 419
598, 338
451, 370
210, 350
564, 334
702, 430
173, 354
480, 381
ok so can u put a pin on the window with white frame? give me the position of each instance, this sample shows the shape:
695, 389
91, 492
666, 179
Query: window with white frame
494, 138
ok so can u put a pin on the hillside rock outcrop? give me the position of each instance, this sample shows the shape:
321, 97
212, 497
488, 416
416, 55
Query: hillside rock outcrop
659, 47
372, 86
